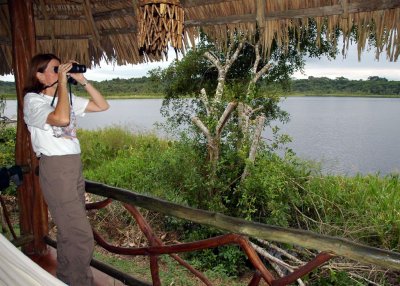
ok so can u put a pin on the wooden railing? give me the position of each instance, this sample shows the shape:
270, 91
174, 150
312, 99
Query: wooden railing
238, 230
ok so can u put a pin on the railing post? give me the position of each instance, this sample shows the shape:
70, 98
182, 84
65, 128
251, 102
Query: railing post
33, 210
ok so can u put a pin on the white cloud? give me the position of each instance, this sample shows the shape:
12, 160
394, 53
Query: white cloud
107, 72
351, 67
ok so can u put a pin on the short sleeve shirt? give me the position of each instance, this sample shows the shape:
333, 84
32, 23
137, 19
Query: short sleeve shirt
52, 140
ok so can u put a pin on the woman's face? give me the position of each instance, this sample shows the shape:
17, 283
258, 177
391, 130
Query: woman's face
49, 76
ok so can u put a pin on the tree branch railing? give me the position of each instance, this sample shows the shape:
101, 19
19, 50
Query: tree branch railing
157, 248
238, 230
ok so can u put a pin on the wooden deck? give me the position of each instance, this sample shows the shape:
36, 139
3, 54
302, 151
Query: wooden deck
49, 263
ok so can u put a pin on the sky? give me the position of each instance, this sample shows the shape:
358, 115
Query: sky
349, 68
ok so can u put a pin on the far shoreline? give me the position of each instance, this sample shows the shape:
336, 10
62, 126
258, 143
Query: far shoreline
159, 96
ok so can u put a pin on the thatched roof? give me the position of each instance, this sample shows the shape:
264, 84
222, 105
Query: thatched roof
128, 32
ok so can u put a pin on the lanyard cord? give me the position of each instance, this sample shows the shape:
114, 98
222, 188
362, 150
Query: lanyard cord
55, 94
54, 97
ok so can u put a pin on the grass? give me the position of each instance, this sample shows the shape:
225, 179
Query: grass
362, 208
171, 273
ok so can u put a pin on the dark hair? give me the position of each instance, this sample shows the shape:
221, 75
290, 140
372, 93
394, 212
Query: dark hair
38, 64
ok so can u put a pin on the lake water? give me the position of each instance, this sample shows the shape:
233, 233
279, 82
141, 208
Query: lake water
348, 135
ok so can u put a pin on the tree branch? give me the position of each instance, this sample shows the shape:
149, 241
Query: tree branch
280, 250
251, 111
202, 127
204, 99
224, 117
258, 58
213, 59
261, 72
234, 57
275, 262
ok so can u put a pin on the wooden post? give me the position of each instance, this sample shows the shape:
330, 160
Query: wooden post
33, 210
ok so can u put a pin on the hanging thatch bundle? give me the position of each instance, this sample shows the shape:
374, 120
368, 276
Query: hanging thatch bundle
160, 25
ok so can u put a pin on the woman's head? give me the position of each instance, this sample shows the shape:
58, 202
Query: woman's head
41, 72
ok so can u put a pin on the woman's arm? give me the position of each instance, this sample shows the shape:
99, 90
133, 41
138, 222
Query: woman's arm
61, 114
96, 102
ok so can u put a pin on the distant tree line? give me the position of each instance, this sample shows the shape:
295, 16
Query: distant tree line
374, 85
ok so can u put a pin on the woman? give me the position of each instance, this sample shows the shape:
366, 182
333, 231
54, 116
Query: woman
50, 114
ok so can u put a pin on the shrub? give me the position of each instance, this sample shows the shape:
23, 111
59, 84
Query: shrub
7, 152
272, 191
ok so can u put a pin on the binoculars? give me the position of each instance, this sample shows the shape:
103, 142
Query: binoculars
76, 68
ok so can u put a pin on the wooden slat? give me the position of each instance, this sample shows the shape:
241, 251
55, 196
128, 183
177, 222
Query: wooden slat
107, 32
99, 16
235, 19
5, 41
196, 3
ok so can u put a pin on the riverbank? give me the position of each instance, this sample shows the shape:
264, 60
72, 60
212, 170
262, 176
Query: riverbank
280, 192
161, 96
341, 95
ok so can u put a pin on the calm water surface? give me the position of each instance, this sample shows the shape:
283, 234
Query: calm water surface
348, 135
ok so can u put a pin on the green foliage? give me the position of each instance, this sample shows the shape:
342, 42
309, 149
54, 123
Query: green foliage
272, 191
342, 86
226, 260
7, 151
7, 88
128, 87
334, 278
7, 145
279, 191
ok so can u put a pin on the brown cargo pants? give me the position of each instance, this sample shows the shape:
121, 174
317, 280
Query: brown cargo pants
63, 188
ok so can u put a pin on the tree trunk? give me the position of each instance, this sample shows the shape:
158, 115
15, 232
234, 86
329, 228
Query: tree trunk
33, 210
254, 145
213, 153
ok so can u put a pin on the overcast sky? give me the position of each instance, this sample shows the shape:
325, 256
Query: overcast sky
349, 68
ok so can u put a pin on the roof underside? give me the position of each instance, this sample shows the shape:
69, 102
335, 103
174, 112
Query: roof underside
131, 32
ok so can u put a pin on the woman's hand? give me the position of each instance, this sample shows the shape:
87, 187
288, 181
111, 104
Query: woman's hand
79, 77
63, 72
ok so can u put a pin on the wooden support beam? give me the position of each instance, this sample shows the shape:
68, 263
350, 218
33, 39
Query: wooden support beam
261, 11
92, 24
33, 210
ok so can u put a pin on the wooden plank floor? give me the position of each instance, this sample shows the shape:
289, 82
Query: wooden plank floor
49, 263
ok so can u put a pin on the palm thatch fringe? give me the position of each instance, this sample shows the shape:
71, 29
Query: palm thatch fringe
137, 31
